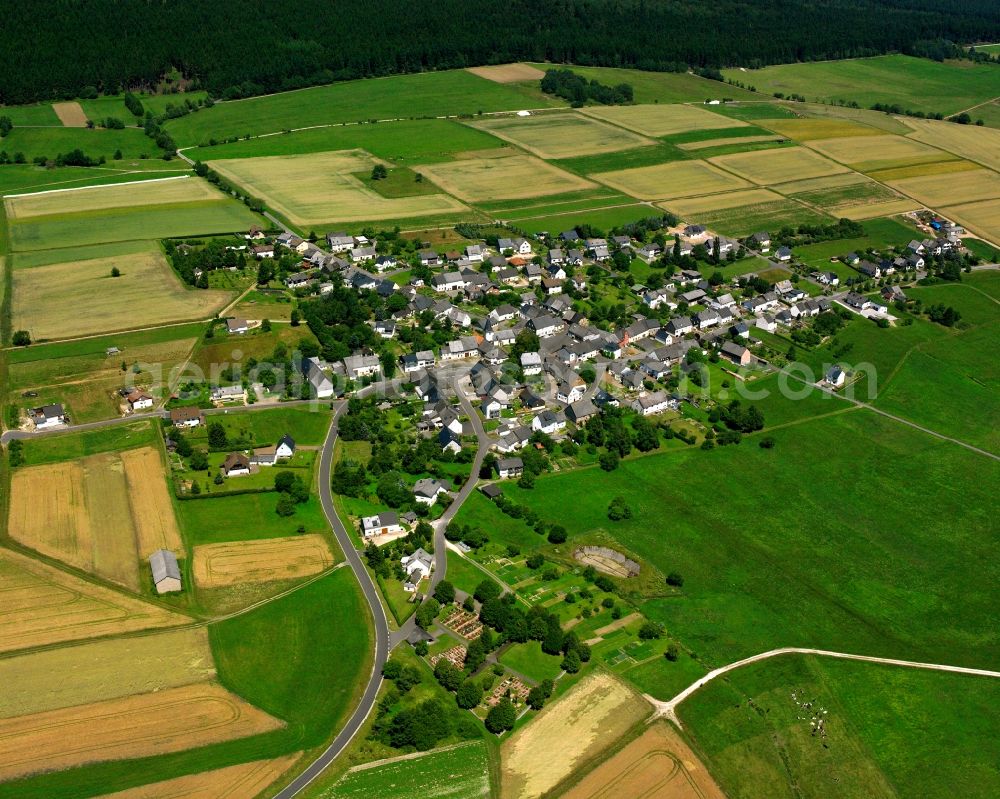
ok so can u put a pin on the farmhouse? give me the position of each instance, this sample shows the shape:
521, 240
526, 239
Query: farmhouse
166, 572
138, 400
48, 416
510, 467
736, 353
235, 465
416, 566
187, 417
835, 377
236, 326
386, 523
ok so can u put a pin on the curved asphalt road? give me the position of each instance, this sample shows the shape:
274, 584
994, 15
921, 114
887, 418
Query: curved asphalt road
371, 593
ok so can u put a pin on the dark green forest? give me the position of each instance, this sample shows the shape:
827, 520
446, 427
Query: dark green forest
66, 48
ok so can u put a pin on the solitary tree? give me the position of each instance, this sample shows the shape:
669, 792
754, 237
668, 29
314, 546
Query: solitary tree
22, 338
379, 172
501, 716
116, 272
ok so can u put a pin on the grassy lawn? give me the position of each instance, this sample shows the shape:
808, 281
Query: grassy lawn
397, 599
245, 517
794, 559
529, 659
67, 446
886, 730
914, 83
663, 679
464, 575
306, 424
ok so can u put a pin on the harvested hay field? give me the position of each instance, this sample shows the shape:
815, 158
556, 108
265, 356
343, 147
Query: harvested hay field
265, 560
563, 135
48, 299
70, 114
233, 782
709, 143
93, 672
152, 511
876, 209
662, 120
508, 73
938, 190
808, 129
40, 605
982, 218
693, 206
317, 188
883, 152
767, 167
795, 187
656, 765
860, 193
745, 219
137, 726
919, 170
671, 180
513, 177
968, 141
104, 198
103, 514
567, 734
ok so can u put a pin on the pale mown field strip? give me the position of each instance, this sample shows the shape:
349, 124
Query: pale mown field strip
564, 135
806, 129
264, 560
568, 734
704, 145
875, 210
968, 141
662, 120
70, 114
102, 198
882, 152
41, 605
512, 177
668, 181
102, 670
657, 765
982, 218
939, 190
692, 206
233, 782
827, 182
103, 514
79, 298
320, 187
508, 73
152, 512
137, 726
767, 167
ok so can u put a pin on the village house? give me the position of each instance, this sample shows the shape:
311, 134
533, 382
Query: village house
236, 464
548, 422
531, 363
580, 411
385, 523
139, 400
269, 456
235, 326
656, 402
360, 366
48, 416
234, 393
783, 254
414, 361
427, 490
417, 567
835, 377
736, 353
166, 572
187, 417
509, 467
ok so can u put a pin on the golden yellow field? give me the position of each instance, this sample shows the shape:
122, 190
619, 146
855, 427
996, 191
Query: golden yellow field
70, 114
262, 560
78, 298
95, 671
806, 129
876, 210
918, 170
662, 120
152, 512
567, 735
667, 181
883, 152
982, 218
939, 190
707, 143
233, 782
512, 177
767, 167
317, 188
41, 605
969, 141
508, 73
691, 207
656, 765
561, 135
88, 514
137, 726
101, 198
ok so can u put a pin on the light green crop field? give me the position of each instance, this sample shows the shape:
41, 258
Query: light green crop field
887, 732
562, 135
669, 181
50, 142
768, 167
499, 178
78, 298
406, 142
855, 580
397, 97
456, 772
989, 113
101, 198
918, 84
39, 114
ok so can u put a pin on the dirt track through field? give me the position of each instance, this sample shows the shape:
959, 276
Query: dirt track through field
219, 565
657, 765
233, 782
41, 605
136, 726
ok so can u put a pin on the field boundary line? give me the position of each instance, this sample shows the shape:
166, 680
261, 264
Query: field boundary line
95, 186
668, 709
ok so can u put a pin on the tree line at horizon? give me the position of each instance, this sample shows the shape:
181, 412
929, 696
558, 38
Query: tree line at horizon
236, 49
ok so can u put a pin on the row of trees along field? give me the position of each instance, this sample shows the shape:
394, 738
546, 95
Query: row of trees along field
110, 45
